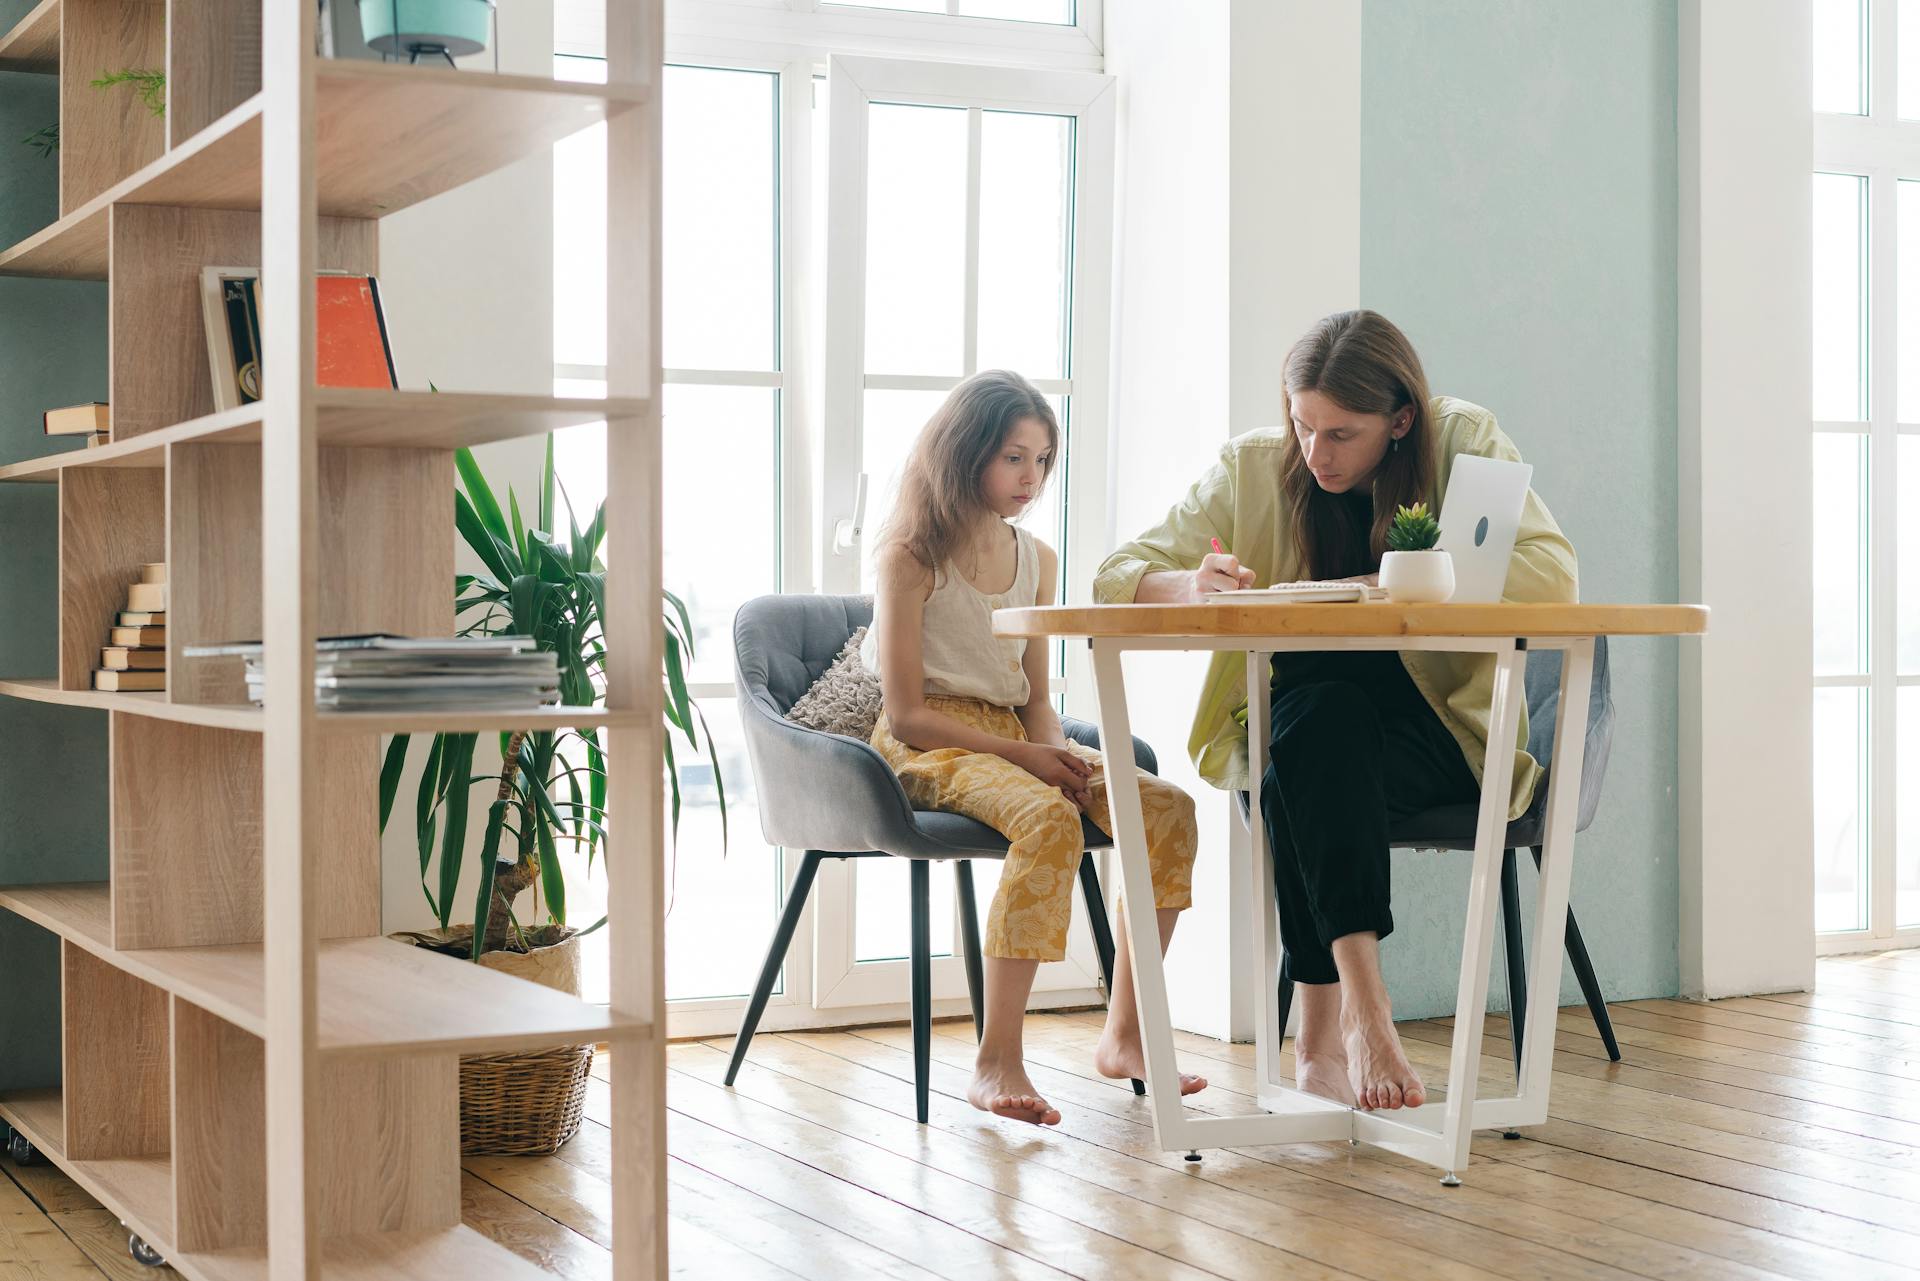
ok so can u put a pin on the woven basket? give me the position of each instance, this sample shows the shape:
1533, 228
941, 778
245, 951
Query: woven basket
525, 1104
522, 1104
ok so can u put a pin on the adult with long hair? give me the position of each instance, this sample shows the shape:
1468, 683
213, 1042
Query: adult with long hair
1356, 739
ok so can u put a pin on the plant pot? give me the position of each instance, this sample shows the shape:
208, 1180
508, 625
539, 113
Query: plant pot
530, 1103
394, 27
1417, 578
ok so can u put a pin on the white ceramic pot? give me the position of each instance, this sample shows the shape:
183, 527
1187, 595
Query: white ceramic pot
1417, 578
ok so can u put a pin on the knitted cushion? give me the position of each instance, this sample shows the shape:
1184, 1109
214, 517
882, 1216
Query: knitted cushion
846, 698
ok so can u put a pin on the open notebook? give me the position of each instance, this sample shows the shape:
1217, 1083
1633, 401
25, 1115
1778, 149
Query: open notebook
1307, 593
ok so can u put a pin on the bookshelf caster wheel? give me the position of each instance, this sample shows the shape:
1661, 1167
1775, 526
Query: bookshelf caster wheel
1451, 1180
22, 1151
143, 1254
1193, 1155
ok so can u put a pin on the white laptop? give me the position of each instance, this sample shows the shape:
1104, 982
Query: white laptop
1479, 521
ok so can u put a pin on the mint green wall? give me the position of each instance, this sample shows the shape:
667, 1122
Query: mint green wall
53, 805
1518, 219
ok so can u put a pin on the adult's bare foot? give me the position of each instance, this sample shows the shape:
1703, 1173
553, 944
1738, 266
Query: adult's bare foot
1324, 1075
1377, 1066
1119, 1057
1004, 1090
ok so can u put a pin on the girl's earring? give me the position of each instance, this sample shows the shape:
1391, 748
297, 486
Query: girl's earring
1396, 444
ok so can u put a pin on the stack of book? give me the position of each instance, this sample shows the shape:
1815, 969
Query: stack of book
414, 673
135, 656
90, 420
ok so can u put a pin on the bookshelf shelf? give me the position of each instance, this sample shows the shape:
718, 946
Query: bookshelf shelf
390, 137
34, 42
354, 418
377, 996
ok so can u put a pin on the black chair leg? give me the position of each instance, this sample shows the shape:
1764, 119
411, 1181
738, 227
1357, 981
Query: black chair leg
1516, 951
1589, 981
776, 957
922, 987
1102, 930
970, 941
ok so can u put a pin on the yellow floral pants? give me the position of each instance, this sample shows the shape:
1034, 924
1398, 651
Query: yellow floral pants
1028, 920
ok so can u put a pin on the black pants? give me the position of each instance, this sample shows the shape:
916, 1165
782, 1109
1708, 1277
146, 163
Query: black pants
1353, 747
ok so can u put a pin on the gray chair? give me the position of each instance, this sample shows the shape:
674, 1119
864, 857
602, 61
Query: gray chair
834, 797
1451, 827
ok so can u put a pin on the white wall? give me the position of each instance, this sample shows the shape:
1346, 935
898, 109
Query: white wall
466, 280
1224, 106
1746, 823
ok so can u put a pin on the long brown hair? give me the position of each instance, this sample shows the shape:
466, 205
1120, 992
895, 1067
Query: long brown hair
940, 486
1363, 363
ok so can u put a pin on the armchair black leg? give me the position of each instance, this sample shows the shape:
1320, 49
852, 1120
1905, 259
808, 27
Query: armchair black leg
970, 940
922, 987
1516, 950
1589, 981
1102, 929
776, 956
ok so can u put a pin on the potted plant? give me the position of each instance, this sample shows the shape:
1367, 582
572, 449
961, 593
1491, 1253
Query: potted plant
550, 794
1413, 571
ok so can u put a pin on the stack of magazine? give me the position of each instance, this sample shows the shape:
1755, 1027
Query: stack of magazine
409, 673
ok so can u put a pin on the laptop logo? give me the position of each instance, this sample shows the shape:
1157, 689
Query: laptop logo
1480, 533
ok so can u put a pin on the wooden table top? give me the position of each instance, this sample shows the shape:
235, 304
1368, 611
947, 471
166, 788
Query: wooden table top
1351, 619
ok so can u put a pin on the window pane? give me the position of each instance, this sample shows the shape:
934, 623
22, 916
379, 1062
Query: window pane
1057, 12
1908, 56
1839, 297
916, 239
1840, 555
882, 910
1907, 554
1026, 172
580, 232
1839, 56
1840, 809
722, 528
721, 217
892, 420
720, 904
907, 6
1906, 294
1906, 870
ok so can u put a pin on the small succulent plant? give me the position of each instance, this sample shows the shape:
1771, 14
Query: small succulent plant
1413, 530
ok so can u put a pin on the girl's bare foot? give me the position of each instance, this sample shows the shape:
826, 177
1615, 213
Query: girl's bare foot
1325, 1075
1118, 1057
1004, 1090
1376, 1065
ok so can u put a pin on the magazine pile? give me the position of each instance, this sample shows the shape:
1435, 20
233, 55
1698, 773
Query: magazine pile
413, 673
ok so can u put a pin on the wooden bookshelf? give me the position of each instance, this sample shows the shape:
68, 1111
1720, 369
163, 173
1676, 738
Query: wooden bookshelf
242, 906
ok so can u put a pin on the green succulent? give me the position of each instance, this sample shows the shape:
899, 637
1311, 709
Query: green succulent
1413, 530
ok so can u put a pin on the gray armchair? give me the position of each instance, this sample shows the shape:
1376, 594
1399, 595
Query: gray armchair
834, 797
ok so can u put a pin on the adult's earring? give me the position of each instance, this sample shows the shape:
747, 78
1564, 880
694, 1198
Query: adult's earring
1396, 444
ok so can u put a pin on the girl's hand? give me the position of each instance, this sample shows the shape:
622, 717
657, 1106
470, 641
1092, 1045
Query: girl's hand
1371, 580
1220, 572
1057, 767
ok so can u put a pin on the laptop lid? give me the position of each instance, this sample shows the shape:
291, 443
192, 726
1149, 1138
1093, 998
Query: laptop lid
1479, 521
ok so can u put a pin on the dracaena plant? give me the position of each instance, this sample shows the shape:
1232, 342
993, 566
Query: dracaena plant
551, 790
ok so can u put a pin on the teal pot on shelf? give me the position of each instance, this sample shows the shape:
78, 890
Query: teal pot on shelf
453, 28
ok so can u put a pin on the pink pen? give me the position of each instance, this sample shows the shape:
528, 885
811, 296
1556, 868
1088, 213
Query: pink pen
1218, 550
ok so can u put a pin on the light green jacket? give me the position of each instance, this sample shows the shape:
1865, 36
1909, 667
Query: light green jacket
1239, 502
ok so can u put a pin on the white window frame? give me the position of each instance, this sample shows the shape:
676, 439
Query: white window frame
855, 83
1885, 150
796, 38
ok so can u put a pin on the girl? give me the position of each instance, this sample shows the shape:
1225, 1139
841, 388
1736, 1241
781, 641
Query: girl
969, 728
1357, 739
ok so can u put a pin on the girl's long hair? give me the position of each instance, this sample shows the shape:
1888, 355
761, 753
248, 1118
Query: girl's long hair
1363, 363
940, 487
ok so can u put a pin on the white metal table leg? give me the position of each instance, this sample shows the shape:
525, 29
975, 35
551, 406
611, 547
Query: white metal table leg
1136, 893
1267, 1032
1556, 880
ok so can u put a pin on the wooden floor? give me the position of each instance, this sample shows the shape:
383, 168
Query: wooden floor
1749, 1138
